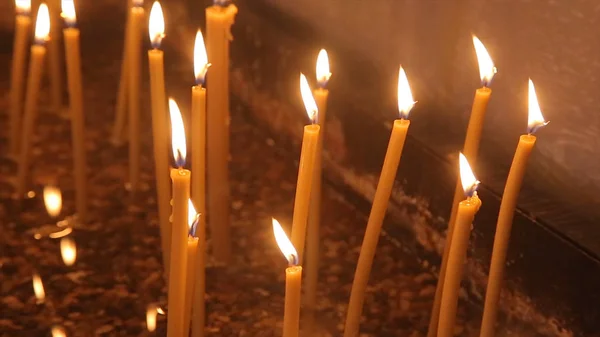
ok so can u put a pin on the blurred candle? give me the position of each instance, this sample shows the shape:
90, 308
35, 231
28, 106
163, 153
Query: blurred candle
458, 250
133, 85
151, 313
58, 331
36, 64
55, 58
38, 288
507, 212
71, 36
379, 207
191, 269
52, 200
17, 75
68, 251
470, 150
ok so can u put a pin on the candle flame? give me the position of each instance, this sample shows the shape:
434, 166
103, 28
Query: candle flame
42, 24
137, 3
52, 200
284, 243
323, 73
60, 234
536, 119
58, 331
68, 12
467, 178
38, 288
193, 217
23, 6
405, 98
309, 101
200, 59
68, 251
160, 311
156, 25
177, 134
486, 65
151, 313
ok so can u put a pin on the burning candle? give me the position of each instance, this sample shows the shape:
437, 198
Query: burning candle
219, 19
52, 200
71, 36
58, 331
293, 282
19, 57
507, 212
458, 250
191, 270
470, 149
151, 313
36, 64
379, 207
38, 288
156, 28
133, 85
179, 228
68, 251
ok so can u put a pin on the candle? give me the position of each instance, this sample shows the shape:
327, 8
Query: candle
151, 313
507, 212
192, 252
219, 19
179, 229
314, 213
121, 107
379, 207
19, 57
470, 149
133, 85
160, 141
458, 251
71, 36
68, 251
198, 305
293, 282
36, 64
52, 200
58, 331
55, 70
38, 288
306, 169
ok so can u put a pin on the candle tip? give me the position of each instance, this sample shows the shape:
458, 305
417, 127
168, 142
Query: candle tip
201, 64
535, 119
221, 3
309, 101
156, 25
405, 98
68, 12
284, 243
177, 134
193, 219
467, 177
23, 7
322, 71
42, 24
487, 70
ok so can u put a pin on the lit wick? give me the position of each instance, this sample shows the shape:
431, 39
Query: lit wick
536, 119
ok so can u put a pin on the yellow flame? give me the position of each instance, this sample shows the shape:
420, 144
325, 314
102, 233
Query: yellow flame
23, 6
486, 65
535, 118
323, 73
58, 331
151, 313
405, 98
160, 311
68, 12
68, 251
42, 24
200, 58
52, 200
309, 101
467, 178
284, 243
156, 25
192, 214
60, 234
177, 133
38, 288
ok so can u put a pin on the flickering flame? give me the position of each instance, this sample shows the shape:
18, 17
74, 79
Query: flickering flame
467, 178
68, 251
323, 73
309, 101
52, 200
156, 25
177, 134
38, 288
284, 243
192, 218
151, 313
60, 234
160, 311
42, 24
200, 59
68, 12
58, 331
23, 6
486, 65
405, 98
536, 119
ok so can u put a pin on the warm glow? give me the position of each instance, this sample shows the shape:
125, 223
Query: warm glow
68, 12
68, 251
192, 218
536, 119
467, 178
52, 200
151, 313
160, 311
309, 101
60, 234
23, 6
177, 134
486, 65
200, 59
156, 25
58, 331
42, 25
405, 98
38, 288
284, 243
323, 73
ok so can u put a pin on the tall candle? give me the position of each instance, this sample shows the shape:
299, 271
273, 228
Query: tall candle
379, 207
198, 305
160, 141
36, 64
192, 250
219, 19
314, 213
470, 149
458, 251
507, 212
306, 168
17, 75
55, 68
72, 52
133, 85
118, 132
179, 230
293, 283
